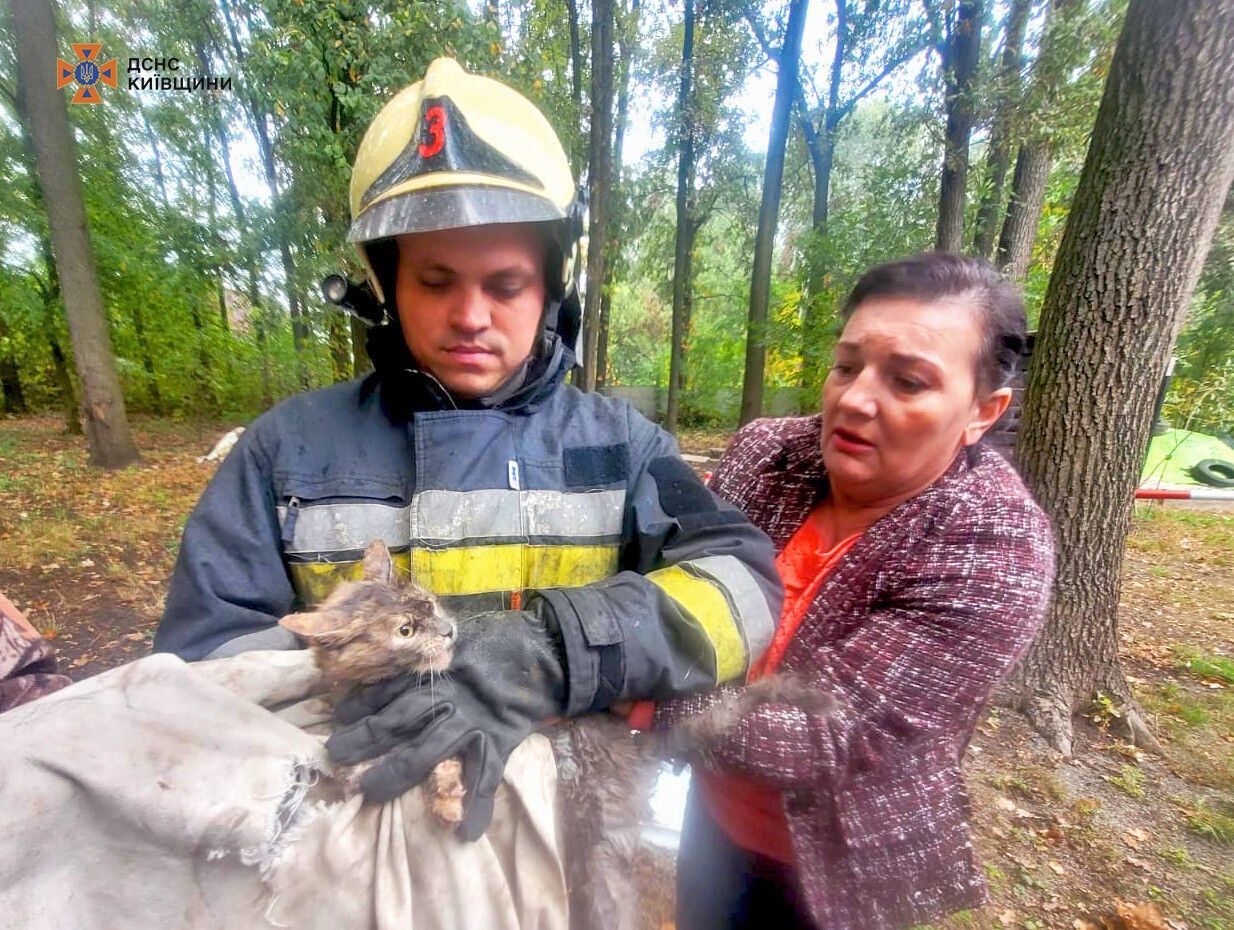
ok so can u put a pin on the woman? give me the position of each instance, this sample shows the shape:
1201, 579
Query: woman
917, 569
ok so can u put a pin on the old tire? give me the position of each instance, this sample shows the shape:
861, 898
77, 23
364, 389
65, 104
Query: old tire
1214, 472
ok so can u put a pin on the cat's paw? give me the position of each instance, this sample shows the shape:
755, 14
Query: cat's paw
446, 791
350, 775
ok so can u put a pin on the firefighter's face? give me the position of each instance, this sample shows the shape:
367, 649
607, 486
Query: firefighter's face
470, 301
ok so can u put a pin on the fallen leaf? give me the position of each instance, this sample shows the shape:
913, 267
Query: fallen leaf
1135, 838
1005, 804
1056, 867
79, 662
1146, 916
1007, 917
1140, 863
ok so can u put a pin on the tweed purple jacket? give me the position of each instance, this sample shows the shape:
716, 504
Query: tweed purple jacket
910, 632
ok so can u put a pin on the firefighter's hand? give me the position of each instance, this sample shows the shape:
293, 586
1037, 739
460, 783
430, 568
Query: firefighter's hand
507, 678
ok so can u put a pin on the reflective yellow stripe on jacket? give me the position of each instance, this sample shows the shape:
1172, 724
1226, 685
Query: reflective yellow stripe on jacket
714, 592
463, 542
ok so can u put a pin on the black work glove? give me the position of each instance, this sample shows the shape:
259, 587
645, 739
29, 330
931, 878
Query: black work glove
508, 677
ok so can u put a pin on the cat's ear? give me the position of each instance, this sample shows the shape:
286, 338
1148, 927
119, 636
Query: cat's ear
378, 566
317, 624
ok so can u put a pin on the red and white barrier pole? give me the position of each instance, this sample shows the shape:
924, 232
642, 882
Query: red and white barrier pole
1190, 494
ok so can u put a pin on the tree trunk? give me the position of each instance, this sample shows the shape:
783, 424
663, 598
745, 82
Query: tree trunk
626, 37
959, 68
147, 359
576, 80
299, 329
822, 155
64, 381
1028, 189
1158, 168
998, 156
216, 240
10, 380
681, 250
209, 398
107, 429
768, 214
1057, 56
600, 180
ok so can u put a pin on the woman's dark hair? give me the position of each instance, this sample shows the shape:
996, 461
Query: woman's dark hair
933, 276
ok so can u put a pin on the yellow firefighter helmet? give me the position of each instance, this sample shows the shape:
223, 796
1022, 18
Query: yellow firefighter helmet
457, 149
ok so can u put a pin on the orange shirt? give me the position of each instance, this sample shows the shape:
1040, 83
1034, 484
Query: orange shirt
748, 810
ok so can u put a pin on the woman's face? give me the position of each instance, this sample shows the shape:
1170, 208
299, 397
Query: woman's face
900, 400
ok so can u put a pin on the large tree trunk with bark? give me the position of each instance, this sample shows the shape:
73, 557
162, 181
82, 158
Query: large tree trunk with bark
998, 156
600, 180
959, 68
1158, 168
107, 429
682, 240
769, 213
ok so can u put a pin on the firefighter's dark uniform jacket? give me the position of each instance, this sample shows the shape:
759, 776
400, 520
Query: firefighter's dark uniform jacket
658, 587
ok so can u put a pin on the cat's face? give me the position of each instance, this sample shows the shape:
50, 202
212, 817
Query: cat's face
374, 629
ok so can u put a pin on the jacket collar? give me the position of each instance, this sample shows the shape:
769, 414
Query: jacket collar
407, 389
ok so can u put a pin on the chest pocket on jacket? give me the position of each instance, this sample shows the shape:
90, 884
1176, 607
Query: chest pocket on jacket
326, 525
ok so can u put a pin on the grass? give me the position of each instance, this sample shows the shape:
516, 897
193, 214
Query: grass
1129, 780
1176, 856
1214, 823
1202, 666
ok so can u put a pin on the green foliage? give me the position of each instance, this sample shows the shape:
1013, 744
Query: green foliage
1202, 392
198, 293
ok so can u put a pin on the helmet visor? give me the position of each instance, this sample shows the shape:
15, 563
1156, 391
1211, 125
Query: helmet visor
450, 207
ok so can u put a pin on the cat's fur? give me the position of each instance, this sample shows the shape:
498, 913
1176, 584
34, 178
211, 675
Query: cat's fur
375, 629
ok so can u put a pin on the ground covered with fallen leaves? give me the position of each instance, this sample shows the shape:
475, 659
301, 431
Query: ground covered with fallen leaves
1111, 839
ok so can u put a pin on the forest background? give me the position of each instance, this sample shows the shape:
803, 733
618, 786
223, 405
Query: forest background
214, 213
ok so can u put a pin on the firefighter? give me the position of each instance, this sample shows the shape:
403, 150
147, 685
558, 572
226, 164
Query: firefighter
587, 563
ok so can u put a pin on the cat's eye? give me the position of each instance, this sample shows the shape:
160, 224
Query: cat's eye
405, 630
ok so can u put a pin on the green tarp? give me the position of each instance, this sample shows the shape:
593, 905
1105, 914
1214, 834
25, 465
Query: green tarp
1171, 455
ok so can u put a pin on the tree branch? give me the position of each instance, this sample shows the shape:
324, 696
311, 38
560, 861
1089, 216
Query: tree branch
908, 55
808, 129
